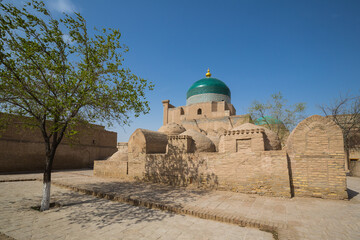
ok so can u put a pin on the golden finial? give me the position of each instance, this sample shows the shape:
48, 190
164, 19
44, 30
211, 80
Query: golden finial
208, 74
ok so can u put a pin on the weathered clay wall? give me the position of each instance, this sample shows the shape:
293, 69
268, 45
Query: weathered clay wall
316, 159
264, 173
22, 149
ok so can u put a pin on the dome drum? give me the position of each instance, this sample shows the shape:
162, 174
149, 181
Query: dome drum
208, 97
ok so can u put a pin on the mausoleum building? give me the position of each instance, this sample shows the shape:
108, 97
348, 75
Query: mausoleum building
205, 144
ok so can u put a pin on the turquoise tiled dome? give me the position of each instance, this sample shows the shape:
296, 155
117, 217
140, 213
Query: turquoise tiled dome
208, 90
208, 85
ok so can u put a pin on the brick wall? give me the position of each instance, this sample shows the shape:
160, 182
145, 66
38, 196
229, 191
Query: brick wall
22, 149
316, 159
264, 173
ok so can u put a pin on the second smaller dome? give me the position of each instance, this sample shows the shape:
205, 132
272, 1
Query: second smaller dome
172, 129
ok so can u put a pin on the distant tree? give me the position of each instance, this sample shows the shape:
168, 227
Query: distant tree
55, 72
345, 112
276, 115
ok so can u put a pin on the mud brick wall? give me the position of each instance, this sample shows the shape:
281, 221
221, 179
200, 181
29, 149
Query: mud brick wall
316, 159
22, 149
264, 173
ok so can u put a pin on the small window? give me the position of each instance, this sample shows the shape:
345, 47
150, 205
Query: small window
199, 112
182, 111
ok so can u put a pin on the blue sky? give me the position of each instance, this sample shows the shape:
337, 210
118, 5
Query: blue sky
308, 50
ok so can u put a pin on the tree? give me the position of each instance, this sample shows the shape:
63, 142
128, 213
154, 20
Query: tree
55, 72
345, 112
276, 115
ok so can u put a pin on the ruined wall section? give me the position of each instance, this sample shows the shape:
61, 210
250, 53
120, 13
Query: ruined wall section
316, 159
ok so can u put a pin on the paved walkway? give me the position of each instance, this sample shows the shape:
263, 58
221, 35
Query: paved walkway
296, 218
87, 217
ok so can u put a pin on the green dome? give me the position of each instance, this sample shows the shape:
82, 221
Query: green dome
208, 85
267, 120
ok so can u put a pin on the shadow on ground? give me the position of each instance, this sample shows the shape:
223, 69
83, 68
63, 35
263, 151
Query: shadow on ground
83, 209
351, 193
158, 193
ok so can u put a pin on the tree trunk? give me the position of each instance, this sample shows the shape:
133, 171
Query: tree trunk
347, 157
50, 150
45, 202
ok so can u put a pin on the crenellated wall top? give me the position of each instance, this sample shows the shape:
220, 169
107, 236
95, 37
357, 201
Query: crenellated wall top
244, 131
178, 137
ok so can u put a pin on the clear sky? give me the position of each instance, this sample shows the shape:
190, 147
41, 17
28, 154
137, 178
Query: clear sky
308, 50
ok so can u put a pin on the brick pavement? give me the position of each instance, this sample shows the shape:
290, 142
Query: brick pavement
87, 217
296, 218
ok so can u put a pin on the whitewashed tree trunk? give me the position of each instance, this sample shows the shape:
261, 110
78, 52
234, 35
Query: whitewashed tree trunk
45, 202
50, 149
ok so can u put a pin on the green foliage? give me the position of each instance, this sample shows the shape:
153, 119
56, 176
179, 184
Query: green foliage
56, 75
277, 115
53, 69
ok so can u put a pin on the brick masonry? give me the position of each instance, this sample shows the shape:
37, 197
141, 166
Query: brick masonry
22, 149
238, 172
316, 159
